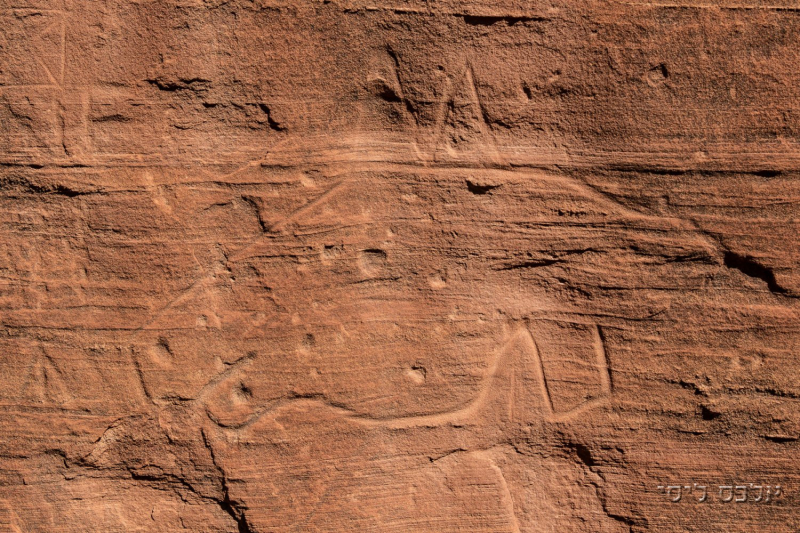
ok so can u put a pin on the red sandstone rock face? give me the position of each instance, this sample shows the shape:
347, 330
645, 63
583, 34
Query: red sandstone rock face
399, 266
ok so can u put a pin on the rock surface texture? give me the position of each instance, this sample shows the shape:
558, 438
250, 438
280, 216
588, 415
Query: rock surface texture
399, 266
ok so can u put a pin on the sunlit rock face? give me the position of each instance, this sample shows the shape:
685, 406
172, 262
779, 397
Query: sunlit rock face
406, 266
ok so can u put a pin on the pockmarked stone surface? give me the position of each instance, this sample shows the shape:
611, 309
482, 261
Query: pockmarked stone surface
399, 265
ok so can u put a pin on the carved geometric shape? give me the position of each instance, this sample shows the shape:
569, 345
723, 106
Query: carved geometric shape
574, 364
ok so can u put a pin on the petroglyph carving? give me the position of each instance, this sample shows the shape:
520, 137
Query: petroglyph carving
33, 46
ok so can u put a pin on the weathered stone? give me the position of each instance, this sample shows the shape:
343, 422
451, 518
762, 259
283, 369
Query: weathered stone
283, 265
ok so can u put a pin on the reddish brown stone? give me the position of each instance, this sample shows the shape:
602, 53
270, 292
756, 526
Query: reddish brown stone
408, 265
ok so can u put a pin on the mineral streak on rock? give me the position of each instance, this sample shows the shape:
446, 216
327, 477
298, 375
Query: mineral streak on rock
399, 265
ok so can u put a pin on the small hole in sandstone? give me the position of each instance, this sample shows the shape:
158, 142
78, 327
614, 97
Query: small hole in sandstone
309, 341
527, 90
709, 414
417, 374
436, 281
375, 252
161, 352
585, 455
657, 74
242, 393
478, 188
372, 261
